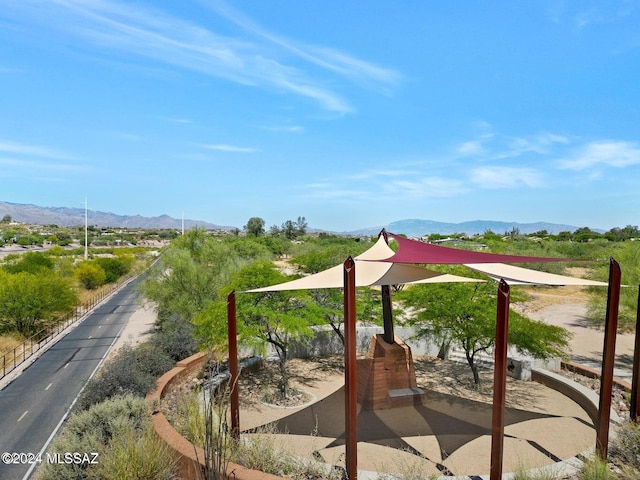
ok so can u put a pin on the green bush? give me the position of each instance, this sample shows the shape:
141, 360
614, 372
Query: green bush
133, 370
176, 338
90, 275
137, 455
90, 431
596, 469
31, 262
114, 267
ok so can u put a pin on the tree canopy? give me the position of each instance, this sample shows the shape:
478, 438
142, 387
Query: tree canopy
48, 295
270, 318
465, 315
255, 226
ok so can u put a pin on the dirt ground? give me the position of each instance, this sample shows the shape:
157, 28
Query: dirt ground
567, 307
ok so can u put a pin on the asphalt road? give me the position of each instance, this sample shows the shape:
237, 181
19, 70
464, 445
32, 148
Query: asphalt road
33, 406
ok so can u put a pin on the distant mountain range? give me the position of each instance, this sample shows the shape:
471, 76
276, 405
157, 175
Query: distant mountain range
68, 217
64, 216
417, 228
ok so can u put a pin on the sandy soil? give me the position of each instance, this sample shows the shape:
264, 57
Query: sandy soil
138, 328
567, 307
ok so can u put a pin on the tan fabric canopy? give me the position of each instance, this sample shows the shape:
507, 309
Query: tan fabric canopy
368, 273
525, 276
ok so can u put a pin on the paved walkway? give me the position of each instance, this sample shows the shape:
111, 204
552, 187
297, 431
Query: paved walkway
445, 434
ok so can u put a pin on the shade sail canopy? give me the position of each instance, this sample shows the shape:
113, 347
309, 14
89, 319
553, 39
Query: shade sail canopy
369, 272
413, 251
525, 276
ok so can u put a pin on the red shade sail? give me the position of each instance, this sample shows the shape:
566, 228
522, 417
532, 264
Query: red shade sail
413, 251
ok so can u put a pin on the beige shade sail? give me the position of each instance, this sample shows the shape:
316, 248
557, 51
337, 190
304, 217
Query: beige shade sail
525, 276
368, 273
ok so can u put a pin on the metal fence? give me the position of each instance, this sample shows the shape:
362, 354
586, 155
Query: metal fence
14, 358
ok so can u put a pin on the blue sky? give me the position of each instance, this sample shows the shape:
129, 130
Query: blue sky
351, 114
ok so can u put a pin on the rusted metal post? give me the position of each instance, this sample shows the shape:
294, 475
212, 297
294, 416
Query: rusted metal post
350, 375
234, 398
387, 315
608, 360
634, 412
499, 381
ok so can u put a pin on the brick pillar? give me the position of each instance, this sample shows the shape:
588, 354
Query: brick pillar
387, 378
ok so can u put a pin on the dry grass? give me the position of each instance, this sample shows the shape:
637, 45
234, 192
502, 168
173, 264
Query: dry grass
8, 342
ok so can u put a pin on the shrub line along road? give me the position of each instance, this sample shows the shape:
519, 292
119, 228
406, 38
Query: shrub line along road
36, 403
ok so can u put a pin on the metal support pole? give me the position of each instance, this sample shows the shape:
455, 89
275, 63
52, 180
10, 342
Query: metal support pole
499, 381
634, 411
350, 375
608, 360
387, 315
234, 398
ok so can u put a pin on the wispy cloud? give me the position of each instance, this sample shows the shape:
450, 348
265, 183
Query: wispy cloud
22, 159
19, 165
267, 61
491, 146
616, 154
34, 150
285, 128
495, 177
222, 147
541, 144
427, 187
382, 173
472, 147
179, 120
327, 58
374, 185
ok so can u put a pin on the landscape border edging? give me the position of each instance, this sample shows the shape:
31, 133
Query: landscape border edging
184, 450
186, 453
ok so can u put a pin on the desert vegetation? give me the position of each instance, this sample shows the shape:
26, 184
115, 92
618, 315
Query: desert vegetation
39, 288
190, 284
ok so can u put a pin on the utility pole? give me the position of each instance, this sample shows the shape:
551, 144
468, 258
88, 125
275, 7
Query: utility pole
86, 229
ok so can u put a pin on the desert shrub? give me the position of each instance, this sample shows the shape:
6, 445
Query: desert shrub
90, 275
263, 451
539, 474
596, 469
31, 302
625, 450
31, 262
114, 267
132, 370
176, 338
137, 455
90, 431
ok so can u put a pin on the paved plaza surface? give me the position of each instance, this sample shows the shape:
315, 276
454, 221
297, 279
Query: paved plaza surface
448, 432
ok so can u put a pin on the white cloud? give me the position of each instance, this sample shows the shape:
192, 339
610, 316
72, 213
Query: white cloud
31, 150
427, 187
326, 58
21, 164
491, 146
286, 128
266, 62
222, 147
472, 147
495, 177
540, 144
604, 153
381, 173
